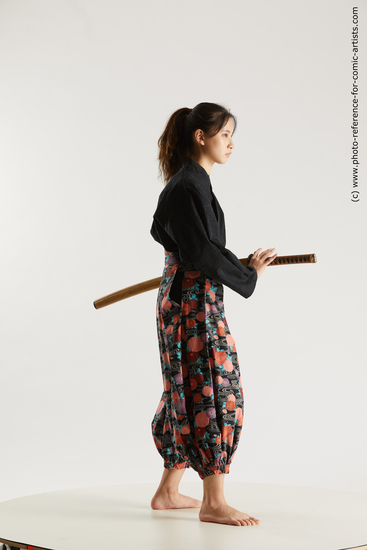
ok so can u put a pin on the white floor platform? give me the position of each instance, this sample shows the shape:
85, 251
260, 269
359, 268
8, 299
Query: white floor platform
120, 517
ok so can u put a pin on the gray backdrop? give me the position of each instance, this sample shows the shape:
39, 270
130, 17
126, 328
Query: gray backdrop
87, 88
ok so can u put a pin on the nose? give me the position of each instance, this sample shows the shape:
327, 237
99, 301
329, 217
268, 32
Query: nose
231, 145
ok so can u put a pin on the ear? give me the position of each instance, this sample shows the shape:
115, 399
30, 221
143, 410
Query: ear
199, 137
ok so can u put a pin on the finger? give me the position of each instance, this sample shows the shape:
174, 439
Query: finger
267, 251
266, 254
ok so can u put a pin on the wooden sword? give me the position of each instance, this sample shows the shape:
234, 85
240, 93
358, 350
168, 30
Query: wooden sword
154, 283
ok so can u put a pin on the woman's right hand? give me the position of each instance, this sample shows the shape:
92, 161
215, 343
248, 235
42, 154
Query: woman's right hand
261, 260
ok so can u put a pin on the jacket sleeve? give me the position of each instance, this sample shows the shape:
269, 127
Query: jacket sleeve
194, 227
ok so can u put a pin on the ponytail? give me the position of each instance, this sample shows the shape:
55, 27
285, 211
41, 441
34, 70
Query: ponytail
177, 142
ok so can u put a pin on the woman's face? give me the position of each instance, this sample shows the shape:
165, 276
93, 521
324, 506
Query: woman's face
219, 147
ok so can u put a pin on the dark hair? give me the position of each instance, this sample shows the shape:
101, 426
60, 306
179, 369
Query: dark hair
177, 142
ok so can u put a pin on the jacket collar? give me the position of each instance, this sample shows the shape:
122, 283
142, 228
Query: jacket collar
194, 166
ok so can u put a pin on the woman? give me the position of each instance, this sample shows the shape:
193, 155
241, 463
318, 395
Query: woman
199, 418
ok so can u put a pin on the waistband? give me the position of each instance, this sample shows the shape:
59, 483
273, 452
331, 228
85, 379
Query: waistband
173, 258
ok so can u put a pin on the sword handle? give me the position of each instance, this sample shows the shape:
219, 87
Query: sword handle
286, 260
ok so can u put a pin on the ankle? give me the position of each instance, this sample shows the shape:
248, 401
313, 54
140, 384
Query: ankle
213, 500
168, 490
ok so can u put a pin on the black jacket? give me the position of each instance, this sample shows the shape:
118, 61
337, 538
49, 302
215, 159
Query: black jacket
190, 221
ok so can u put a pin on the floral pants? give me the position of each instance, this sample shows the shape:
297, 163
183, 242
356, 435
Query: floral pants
199, 418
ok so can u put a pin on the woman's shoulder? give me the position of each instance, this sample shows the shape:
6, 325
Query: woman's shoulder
184, 189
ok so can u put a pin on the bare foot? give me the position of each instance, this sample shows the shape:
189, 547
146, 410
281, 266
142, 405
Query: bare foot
223, 513
166, 501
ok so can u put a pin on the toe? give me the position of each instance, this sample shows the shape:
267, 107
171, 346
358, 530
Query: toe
254, 520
